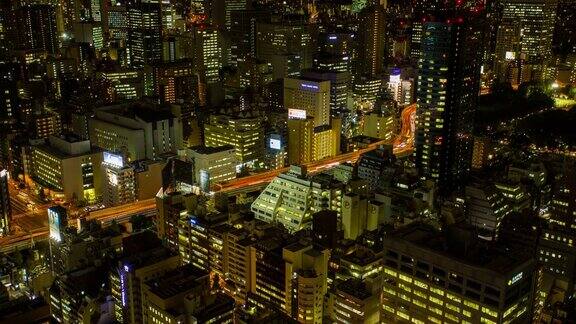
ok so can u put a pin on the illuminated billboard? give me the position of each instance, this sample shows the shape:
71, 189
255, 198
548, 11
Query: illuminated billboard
204, 180
296, 114
510, 56
114, 159
56, 222
275, 144
306, 86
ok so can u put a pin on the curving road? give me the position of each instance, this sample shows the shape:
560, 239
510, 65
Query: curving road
402, 145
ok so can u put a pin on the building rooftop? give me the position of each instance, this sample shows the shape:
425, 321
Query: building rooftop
202, 149
177, 281
355, 288
146, 258
145, 111
218, 306
297, 246
361, 256
461, 245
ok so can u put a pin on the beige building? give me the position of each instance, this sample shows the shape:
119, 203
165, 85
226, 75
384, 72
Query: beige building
183, 296
425, 282
46, 124
307, 98
356, 301
307, 143
212, 164
380, 126
68, 167
148, 177
305, 281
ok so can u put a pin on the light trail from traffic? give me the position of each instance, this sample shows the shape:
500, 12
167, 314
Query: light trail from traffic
403, 144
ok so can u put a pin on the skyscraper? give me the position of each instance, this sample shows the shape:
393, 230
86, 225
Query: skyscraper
565, 30
449, 69
371, 52
312, 133
525, 33
144, 33
33, 27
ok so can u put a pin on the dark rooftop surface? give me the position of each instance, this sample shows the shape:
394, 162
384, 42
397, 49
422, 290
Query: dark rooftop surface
355, 287
177, 281
147, 112
202, 149
460, 244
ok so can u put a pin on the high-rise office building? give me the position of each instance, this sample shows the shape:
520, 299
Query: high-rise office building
336, 51
485, 208
243, 33
447, 92
287, 45
33, 27
308, 143
223, 10
379, 124
556, 248
136, 130
128, 281
306, 281
184, 293
212, 164
208, 52
355, 302
208, 56
5, 208
144, 32
340, 95
372, 40
564, 41
46, 124
524, 36
116, 25
306, 97
312, 133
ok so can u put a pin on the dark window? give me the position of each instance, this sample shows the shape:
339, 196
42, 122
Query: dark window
407, 259
473, 284
472, 295
456, 278
392, 254
392, 264
455, 288
490, 301
439, 272
421, 274
406, 269
423, 266
492, 291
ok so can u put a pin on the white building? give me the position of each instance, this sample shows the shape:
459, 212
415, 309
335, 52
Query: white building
137, 130
291, 199
212, 164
